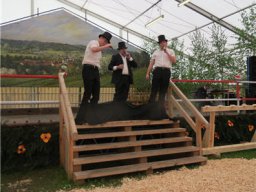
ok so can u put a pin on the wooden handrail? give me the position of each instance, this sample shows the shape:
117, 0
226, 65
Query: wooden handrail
183, 113
196, 124
188, 103
64, 92
69, 131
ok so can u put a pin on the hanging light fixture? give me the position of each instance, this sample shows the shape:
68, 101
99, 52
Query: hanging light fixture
183, 2
154, 20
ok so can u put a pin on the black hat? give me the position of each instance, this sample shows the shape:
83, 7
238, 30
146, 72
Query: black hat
161, 38
121, 45
106, 35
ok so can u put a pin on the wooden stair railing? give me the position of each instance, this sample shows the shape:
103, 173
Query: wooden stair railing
67, 130
199, 123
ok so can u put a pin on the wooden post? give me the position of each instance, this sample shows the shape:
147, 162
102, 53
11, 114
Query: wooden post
199, 135
208, 140
136, 148
61, 141
212, 129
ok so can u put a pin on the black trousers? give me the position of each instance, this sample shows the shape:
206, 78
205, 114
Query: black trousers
160, 83
91, 78
122, 88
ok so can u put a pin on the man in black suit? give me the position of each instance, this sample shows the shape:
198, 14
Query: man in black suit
122, 77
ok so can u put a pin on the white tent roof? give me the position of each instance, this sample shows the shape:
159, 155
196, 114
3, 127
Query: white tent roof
127, 18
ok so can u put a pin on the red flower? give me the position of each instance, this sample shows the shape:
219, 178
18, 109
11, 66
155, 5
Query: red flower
230, 123
21, 149
250, 128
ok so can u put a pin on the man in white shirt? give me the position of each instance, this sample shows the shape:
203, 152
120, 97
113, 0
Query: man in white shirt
122, 76
90, 73
91, 65
162, 61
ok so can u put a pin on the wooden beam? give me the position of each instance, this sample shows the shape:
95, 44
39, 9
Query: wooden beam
228, 108
113, 124
229, 148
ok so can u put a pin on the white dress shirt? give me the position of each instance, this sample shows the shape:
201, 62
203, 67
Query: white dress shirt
162, 59
91, 57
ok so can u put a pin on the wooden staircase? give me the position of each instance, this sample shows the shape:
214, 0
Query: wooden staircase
131, 146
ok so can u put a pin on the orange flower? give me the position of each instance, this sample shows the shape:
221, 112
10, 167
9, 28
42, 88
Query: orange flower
217, 135
46, 137
230, 123
250, 128
21, 149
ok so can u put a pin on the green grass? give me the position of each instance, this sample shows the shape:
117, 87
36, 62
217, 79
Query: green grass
248, 154
52, 179
48, 179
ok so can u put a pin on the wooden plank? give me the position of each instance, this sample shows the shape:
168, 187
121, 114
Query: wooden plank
229, 148
199, 134
134, 155
114, 124
128, 133
228, 108
137, 167
130, 144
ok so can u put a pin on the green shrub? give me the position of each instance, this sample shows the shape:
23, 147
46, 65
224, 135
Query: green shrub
229, 129
28, 147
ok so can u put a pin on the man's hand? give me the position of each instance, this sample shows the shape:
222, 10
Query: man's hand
128, 55
147, 76
120, 66
165, 50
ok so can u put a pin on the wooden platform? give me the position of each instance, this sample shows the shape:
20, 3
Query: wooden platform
131, 146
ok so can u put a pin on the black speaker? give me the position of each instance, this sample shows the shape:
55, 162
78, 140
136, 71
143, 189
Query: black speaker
251, 76
251, 68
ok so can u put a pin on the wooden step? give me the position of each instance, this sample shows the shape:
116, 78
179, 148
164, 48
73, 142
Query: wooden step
114, 124
116, 145
133, 155
137, 167
128, 133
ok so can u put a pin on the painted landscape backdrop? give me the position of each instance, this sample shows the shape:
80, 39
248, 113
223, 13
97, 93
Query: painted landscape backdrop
42, 44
